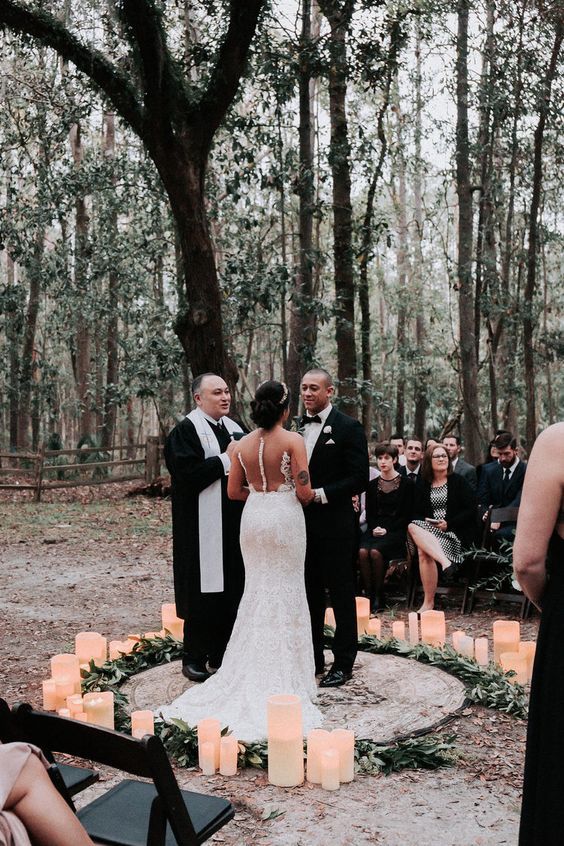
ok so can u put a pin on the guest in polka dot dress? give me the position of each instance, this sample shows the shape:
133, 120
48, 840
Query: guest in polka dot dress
445, 518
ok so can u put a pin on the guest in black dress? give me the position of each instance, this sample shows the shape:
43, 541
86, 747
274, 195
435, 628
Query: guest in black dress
540, 534
388, 500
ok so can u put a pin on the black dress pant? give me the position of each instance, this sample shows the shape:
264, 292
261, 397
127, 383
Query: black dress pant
329, 565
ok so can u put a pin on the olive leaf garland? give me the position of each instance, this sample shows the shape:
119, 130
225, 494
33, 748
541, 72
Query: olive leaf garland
486, 686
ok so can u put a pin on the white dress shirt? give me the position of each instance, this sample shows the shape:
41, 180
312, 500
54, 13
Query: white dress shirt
312, 432
223, 457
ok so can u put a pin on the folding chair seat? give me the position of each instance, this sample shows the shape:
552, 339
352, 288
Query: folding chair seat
74, 778
132, 813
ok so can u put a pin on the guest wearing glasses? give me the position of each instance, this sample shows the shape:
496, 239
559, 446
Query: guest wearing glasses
445, 516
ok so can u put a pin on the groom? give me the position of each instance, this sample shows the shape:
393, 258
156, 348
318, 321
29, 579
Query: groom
338, 465
208, 567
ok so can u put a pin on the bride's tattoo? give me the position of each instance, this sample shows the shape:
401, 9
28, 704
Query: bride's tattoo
303, 477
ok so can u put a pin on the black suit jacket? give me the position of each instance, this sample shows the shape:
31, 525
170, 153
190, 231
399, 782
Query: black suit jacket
460, 510
339, 465
490, 490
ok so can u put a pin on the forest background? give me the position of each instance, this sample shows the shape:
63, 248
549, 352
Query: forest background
252, 187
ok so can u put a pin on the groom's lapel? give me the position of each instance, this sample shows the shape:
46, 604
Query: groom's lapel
324, 436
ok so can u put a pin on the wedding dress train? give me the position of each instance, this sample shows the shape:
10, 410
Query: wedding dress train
270, 650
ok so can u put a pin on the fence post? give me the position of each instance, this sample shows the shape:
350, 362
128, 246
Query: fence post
152, 459
39, 473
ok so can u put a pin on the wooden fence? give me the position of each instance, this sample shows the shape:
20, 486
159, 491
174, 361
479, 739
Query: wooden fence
72, 468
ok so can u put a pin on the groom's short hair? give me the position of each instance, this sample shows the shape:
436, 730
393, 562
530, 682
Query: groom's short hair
322, 372
197, 382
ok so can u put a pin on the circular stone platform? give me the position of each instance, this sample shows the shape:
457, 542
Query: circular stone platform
388, 697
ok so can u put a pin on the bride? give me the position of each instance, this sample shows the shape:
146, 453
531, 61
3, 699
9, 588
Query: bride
270, 650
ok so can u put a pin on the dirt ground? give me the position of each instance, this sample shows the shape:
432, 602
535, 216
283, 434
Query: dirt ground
94, 559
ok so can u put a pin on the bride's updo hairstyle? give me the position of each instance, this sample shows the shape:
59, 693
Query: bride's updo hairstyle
271, 401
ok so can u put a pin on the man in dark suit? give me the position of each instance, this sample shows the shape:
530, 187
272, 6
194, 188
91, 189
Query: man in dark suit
338, 466
453, 446
207, 562
501, 483
413, 461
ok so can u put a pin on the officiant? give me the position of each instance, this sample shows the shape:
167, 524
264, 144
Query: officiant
208, 567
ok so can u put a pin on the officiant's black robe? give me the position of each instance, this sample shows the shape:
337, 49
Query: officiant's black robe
209, 616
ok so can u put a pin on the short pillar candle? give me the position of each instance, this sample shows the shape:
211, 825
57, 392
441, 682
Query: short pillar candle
206, 755
516, 661
330, 769
506, 637
99, 708
74, 704
228, 751
49, 690
64, 687
528, 649
398, 630
330, 618
317, 741
90, 646
362, 614
209, 731
433, 628
142, 723
285, 740
343, 741
172, 621
67, 666
466, 646
481, 651
375, 627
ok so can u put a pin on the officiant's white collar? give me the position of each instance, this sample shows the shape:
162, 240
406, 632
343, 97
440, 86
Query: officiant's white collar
210, 419
323, 415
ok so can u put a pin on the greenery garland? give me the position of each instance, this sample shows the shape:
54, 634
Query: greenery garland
486, 686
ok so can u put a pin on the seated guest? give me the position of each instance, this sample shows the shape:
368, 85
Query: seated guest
444, 511
501, 483
31, 810
387, 513
398, 441
413, 459
453, 446
491, 455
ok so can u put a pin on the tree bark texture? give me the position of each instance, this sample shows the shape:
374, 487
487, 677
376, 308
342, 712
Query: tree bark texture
112, 360
420, 375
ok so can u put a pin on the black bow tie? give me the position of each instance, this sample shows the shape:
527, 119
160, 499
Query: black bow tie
315, 419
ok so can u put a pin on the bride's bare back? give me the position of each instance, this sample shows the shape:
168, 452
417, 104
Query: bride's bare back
274, 446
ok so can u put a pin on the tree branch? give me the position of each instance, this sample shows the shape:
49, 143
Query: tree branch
49, 31
224, 81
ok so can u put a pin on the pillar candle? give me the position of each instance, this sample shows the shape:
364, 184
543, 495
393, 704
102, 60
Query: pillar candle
90, 646
528, 649
285, 740
330, 618
398, 630
362, 614
228, 751
171, 621
413, 627
49, 695
74, 703
99, 708
150, 635
466, 646
209, 731
330, 769
67, 666
142, 723
206, 757
64, 687
343, 741
116, 649
375, 627
317, 741
481, 651
64, 712
456, 636
433, 628
81, 716
516, 661
506, 637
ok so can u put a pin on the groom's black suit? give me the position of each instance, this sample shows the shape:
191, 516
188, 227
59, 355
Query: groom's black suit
339, 465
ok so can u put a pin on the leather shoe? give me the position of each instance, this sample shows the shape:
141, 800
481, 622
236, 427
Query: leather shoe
195, 671
335, 678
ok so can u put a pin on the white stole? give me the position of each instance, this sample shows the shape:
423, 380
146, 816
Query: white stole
210, 523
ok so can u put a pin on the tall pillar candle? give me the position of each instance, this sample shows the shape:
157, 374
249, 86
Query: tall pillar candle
228, 751
528, 649
317, 741
67, 666
398, 630
206, 758
433, 628
64, 687
90, 646
343, 741
506, 637
456, 637
481, 651
49, 689
466, 646
209, 731
413, 624
285, 740
330, 618
330, 769
362, 614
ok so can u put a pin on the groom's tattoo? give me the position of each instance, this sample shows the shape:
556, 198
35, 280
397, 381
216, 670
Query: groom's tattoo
303, 477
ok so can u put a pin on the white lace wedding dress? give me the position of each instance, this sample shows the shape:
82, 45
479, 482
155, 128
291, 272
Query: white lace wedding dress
270, 650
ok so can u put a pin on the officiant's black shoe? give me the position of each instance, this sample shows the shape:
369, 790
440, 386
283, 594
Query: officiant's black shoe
195, 672
335, 678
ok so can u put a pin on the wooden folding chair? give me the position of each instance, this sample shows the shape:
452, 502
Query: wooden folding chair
74, 778
133, 813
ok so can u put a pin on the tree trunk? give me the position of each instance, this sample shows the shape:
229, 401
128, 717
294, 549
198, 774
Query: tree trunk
339, 154
532, 249
12, 339
28, 350
420, 387
467, 340
402, 263
112, 361
303, 324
